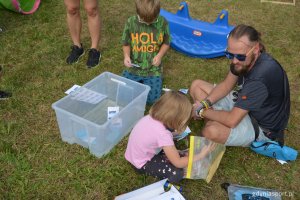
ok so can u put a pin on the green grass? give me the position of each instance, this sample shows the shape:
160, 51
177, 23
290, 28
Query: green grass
36, 164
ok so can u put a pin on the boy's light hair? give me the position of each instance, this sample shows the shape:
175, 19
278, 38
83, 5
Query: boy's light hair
148, 10
173, 109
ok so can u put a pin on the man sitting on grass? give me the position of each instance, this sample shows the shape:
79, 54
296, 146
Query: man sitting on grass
252, 102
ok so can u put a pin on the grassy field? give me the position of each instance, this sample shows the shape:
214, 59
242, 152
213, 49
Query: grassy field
36, 164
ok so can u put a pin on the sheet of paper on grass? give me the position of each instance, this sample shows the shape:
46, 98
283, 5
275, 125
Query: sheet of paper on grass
282, 162
154, 191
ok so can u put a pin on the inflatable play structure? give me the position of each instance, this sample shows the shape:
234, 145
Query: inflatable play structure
196, 38
21, 6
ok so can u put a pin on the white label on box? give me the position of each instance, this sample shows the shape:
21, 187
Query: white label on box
86, 95
112, 111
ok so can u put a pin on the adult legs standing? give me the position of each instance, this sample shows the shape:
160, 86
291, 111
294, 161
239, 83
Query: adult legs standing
75, 26
74, 20
92, 10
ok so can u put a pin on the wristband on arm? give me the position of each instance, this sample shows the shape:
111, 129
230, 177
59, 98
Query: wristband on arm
204, 104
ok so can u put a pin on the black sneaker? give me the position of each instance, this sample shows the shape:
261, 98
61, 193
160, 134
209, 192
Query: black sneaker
4, 95
75, 54
94, 58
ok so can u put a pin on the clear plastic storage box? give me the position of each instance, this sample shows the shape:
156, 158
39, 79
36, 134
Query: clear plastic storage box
82, 115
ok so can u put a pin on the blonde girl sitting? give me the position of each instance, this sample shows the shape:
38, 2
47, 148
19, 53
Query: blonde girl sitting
151, 148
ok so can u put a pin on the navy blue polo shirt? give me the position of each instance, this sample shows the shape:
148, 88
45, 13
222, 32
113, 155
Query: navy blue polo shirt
262, 94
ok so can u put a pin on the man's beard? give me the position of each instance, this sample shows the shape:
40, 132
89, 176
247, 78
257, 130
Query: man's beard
244, 70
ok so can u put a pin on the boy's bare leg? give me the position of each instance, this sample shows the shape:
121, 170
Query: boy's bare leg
92, 10
74, 20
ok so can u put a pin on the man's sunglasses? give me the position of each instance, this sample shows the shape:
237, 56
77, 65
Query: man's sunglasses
240, 57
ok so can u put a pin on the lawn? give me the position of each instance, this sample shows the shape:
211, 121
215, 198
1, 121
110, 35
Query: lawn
36, 164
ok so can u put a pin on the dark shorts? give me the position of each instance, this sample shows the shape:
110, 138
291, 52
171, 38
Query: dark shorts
155, 83
160, 167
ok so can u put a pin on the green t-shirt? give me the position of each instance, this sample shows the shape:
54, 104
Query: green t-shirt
145, 42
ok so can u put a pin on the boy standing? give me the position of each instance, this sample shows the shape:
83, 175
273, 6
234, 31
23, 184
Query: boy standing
146, 39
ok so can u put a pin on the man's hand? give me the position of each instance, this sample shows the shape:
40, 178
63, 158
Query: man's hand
199, 107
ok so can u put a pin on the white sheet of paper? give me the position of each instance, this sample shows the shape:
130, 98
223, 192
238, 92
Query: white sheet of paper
86, 95
166, 89
172, 194
183, 135
183, 90
73, 88
154, 191
282, 162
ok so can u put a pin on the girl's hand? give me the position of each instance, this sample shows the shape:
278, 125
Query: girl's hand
205, 151
183, 153
156, 61
127, 62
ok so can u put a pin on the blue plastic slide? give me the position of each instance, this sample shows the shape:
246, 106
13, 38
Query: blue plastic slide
196, 38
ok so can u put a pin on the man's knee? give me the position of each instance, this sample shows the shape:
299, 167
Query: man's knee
210, 131
196, 84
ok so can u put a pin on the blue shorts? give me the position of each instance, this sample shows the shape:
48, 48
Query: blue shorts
243, 134
155, 83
